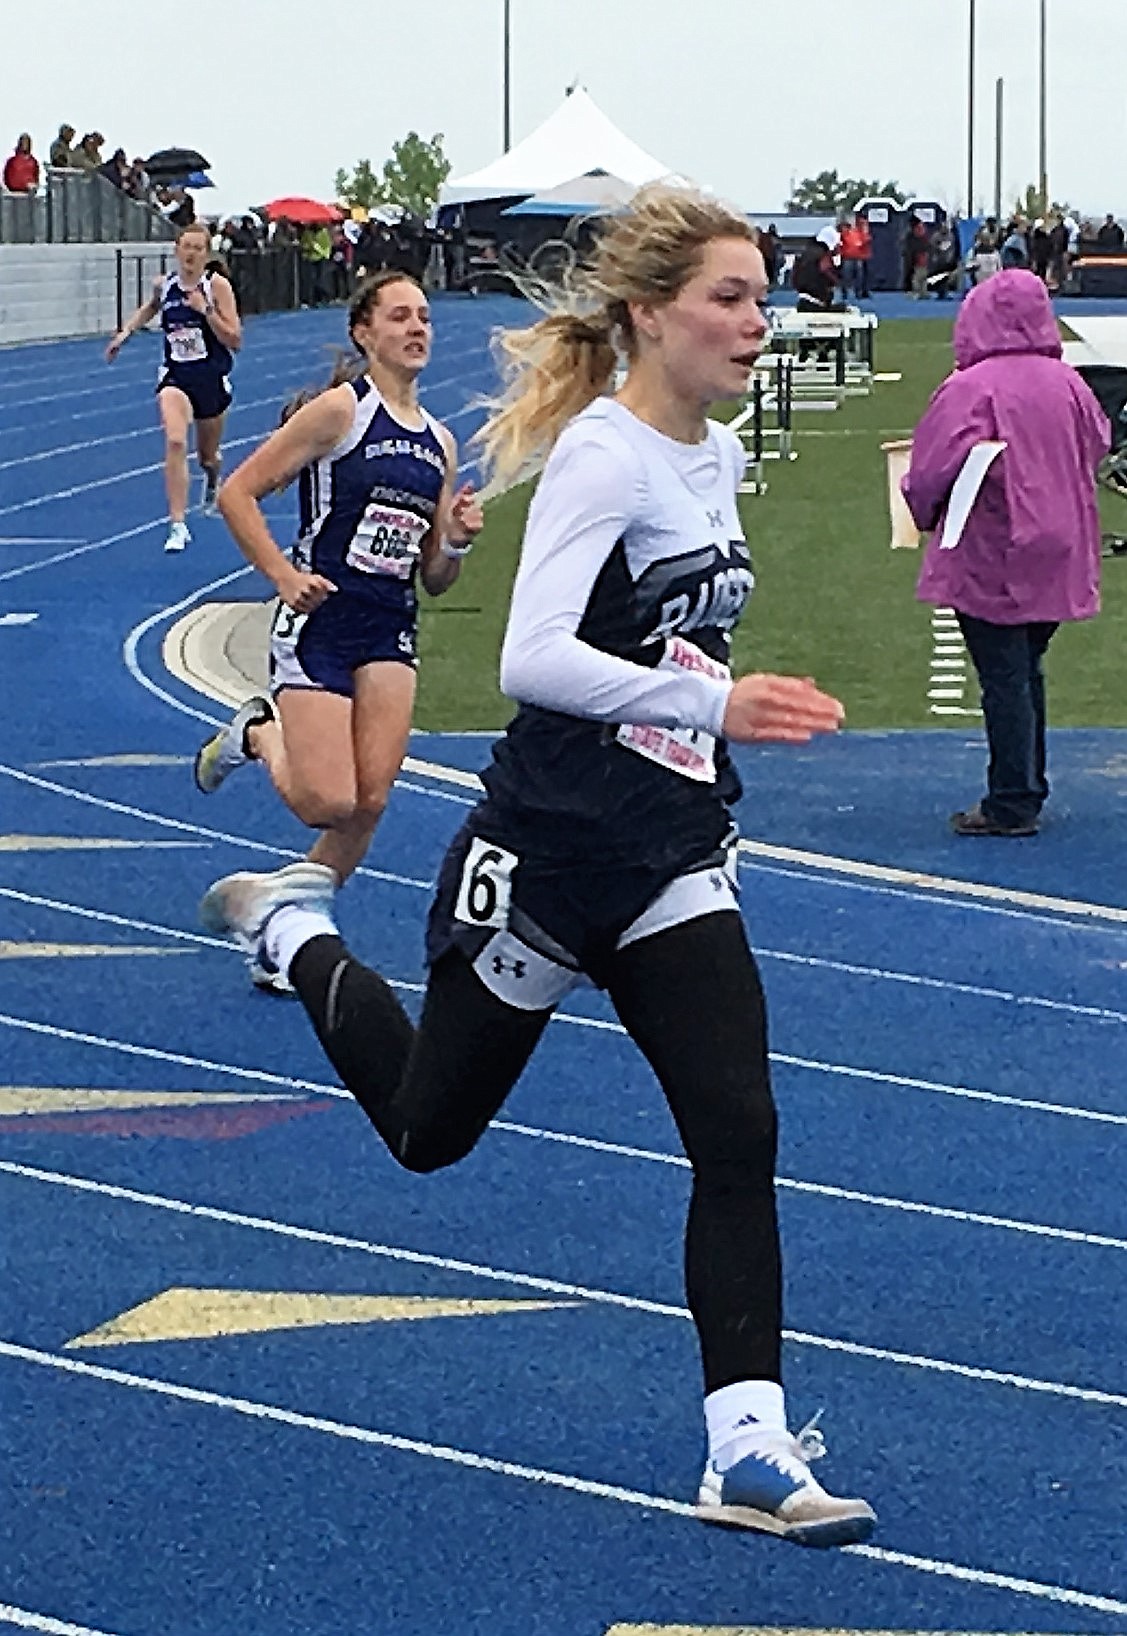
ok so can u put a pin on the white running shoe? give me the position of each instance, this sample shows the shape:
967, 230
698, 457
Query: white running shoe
772, 1491
178, 537
224, 751
239, 906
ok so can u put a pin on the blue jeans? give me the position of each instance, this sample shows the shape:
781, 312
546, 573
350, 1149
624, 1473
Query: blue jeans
855, 278
1008, 661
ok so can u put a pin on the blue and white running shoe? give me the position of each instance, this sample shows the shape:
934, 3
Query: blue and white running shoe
239, 906
773, 1491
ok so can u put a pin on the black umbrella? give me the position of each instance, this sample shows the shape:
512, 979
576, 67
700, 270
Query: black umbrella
175, 162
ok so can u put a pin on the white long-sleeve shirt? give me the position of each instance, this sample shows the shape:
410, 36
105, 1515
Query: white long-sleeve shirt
633, 540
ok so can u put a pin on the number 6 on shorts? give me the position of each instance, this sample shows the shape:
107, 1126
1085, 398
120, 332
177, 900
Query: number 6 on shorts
486, 885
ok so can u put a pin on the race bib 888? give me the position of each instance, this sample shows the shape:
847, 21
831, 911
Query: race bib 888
388, 540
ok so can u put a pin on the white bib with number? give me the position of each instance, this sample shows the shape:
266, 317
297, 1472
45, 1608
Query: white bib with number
388, 540
486, 885
684, 750
187, 345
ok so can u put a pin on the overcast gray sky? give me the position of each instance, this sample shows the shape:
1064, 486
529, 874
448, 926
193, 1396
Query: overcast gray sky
743, 95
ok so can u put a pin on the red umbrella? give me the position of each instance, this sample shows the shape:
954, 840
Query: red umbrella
307, 212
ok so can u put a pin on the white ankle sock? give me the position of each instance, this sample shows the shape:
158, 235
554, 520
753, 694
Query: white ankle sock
289, 929
736, 1415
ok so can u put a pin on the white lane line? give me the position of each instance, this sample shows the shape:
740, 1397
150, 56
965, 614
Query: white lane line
812, 877
877, 973
979, 991
153, 429
824, 865
140, 631
552, 1286
139, 382
965, 1092
817, 865
988, 895
875, 1076
143, 471
154, 1053
813, 865
251, 844
83, 550
814, 1065
109, 482
471, 1460
34, 900
847, 1195
591, 1144
43, 1623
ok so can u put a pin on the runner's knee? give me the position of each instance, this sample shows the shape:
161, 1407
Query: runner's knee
322, 809
425, 1148
371, 804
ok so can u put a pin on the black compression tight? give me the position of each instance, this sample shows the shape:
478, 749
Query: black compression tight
691, 999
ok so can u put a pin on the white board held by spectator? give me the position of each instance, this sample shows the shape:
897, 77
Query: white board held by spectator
965, 492
905, 534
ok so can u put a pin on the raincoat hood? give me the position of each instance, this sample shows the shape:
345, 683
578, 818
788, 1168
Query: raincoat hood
1011, 312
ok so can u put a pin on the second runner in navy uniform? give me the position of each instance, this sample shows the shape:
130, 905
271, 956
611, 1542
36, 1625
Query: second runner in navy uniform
365, 510
379, 514
200, 332
599, 847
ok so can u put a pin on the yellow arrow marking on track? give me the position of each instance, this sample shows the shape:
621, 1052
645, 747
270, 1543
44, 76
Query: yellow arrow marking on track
78, 951
24, 1099
85, 843
204, 1314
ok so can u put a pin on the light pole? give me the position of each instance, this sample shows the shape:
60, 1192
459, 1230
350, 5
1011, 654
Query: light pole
1043, 121
971, 22
999, 98
506, 85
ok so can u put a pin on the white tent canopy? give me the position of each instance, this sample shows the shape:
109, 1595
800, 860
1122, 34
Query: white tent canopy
575, 140
595, 191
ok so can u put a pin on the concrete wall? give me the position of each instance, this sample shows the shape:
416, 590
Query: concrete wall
48, 291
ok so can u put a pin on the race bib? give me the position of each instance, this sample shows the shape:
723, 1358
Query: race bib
684, 750
287, 624
486, 885
187, 345
387, 541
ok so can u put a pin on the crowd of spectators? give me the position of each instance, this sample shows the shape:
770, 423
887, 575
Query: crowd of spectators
333, 256
23, 172
935, 262
1048, 246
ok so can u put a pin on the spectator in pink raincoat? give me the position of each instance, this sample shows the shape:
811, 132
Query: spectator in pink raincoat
1029, 557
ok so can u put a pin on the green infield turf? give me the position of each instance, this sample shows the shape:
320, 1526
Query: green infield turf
831, 600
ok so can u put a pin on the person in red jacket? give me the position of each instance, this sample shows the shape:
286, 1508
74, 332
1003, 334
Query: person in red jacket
21, 172
856, 253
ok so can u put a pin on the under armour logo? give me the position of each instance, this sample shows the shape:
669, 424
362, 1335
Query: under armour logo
715, 519
500, 967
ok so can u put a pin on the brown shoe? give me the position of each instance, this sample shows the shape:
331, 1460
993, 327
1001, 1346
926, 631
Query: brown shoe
976, 822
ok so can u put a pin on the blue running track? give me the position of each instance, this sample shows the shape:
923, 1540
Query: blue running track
258, 1382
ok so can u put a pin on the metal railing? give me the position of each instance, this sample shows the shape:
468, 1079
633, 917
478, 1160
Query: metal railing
265, 280
79, 207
